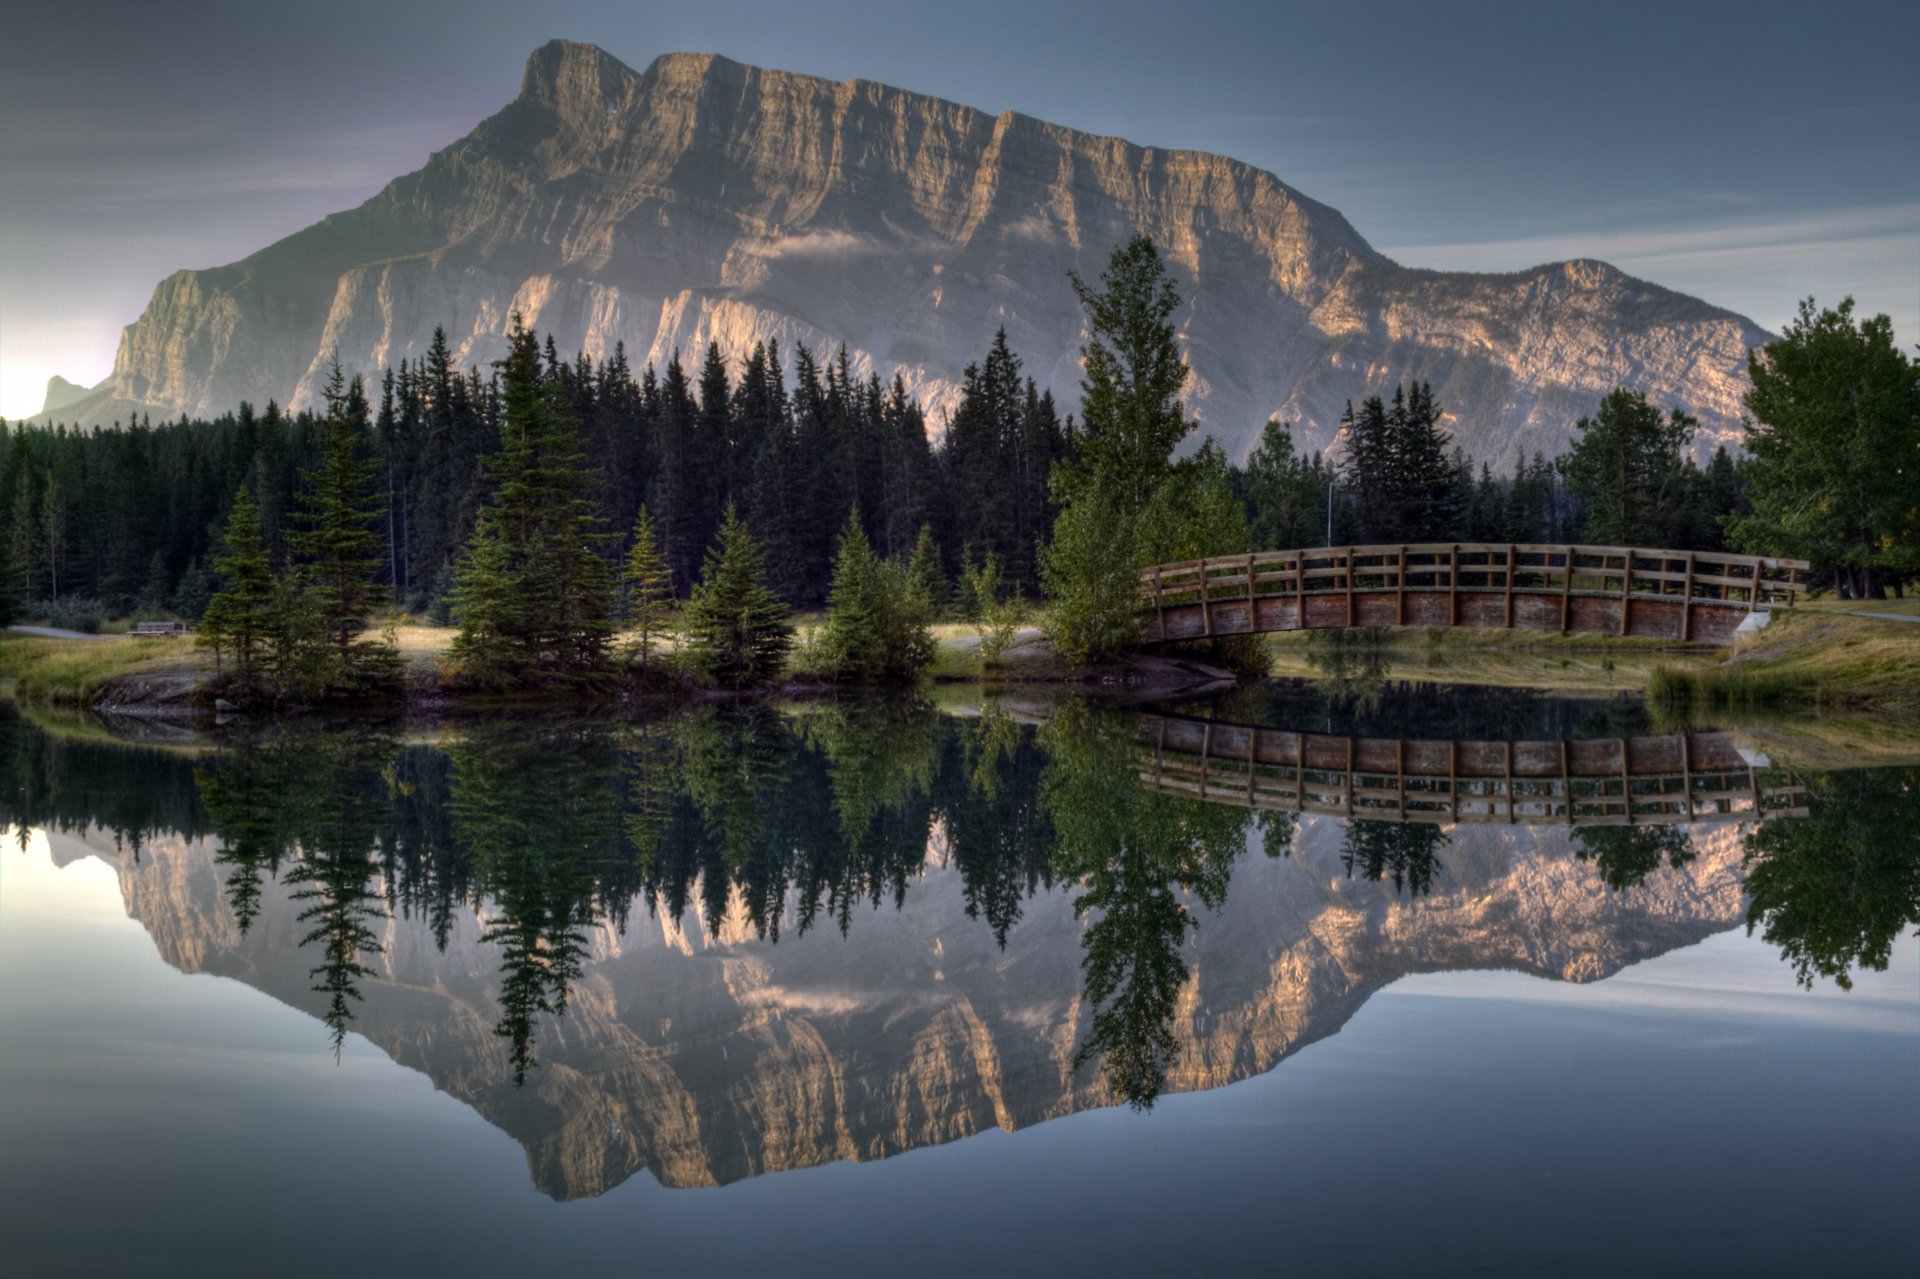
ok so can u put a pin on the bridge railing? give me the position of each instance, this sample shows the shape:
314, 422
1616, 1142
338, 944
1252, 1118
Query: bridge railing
1478, 568
1674, 779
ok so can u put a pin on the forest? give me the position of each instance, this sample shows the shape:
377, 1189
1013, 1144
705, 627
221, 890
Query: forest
126, 520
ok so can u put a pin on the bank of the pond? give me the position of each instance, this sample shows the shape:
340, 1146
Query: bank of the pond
1808, 658
171, 678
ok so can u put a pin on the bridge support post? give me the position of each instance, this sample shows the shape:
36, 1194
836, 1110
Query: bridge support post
1400, 611
1686, 604
1566, 592
1626, 592
1453, 588
1512, 557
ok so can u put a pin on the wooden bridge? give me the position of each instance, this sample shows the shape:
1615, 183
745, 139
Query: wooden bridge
1669, 780
1690, 597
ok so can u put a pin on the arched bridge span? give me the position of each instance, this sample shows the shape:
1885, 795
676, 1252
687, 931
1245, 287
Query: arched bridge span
1688, 597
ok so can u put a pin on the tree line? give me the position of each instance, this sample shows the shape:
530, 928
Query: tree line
507, 503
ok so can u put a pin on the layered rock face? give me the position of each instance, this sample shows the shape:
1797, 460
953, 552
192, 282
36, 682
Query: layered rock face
704, 1058
705, 201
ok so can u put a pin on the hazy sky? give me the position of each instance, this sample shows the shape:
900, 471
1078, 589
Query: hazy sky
1750, 153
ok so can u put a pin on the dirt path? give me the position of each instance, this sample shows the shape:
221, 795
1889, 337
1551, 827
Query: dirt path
54, 632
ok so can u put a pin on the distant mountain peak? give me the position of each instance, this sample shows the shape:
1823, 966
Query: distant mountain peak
705, 200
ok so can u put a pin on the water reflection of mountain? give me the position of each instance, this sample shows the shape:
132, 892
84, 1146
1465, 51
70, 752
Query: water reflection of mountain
462, 907
709, 1058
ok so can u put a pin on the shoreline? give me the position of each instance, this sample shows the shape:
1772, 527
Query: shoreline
1809, 660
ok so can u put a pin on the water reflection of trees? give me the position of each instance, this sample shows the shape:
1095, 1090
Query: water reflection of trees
1834, 889
1625, 855
1132, 852
762, 822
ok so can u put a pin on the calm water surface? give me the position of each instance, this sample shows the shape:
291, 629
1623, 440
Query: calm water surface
869, 988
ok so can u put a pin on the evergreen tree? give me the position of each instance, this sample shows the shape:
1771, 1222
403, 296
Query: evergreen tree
1132, 421
735, 629
924, 574
877, 623
239, 617
541, 542
649, 584
334, 523
1627, 466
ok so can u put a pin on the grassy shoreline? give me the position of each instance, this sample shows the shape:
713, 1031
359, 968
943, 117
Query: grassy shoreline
1810, 659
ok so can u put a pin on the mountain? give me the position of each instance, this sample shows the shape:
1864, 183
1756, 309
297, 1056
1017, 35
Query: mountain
703, 200
704, 1059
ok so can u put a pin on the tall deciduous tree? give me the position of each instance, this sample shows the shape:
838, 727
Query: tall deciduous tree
1834, 472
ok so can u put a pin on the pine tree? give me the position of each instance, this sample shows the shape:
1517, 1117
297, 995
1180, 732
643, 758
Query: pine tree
239, 617
534, 593
877, 627
335, 521
924, 574
1132, 422
649, 584
491, 646
736, 630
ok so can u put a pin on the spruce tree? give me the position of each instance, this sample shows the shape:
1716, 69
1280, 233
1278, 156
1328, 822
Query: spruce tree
736, 630
924, 574
239, 617
534, 594
877, 622
649, 583
334, 523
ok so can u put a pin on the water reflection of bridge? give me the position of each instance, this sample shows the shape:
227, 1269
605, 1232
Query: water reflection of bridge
1691, 597
1622, 781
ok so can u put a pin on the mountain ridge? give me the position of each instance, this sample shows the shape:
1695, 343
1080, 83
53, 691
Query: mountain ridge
706, 200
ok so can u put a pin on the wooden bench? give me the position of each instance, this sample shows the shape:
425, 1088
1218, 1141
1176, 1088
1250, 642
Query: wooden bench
159, 628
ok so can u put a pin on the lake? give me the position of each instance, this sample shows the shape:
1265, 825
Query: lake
1397, 978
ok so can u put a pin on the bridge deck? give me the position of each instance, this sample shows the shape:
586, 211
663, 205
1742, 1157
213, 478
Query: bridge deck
1673, 779
1683, 596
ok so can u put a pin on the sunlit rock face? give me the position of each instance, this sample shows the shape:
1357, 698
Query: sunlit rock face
705, 1056
705, 201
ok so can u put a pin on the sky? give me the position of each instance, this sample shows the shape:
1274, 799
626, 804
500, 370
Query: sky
1752, 154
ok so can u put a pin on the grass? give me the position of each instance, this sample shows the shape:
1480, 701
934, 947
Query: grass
1808, 658
1534, 659
72, 672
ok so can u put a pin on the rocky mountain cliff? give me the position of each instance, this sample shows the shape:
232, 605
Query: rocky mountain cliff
705, 1059
702, 200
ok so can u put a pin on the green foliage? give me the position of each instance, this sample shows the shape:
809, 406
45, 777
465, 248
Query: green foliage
1401, 485
1285, 494
994, 617
925, 576
1628, 465
649, 586
1132, 851
877, 622
1626, 855
305, 665
491, 648
533, 594
1834, 890
1117, 510
1833, 475
735, 629
239, 617
333, 526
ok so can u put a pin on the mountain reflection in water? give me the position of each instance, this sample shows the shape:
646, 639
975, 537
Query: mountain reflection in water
748, 939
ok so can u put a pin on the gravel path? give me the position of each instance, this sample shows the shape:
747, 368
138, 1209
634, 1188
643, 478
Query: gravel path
54, 632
